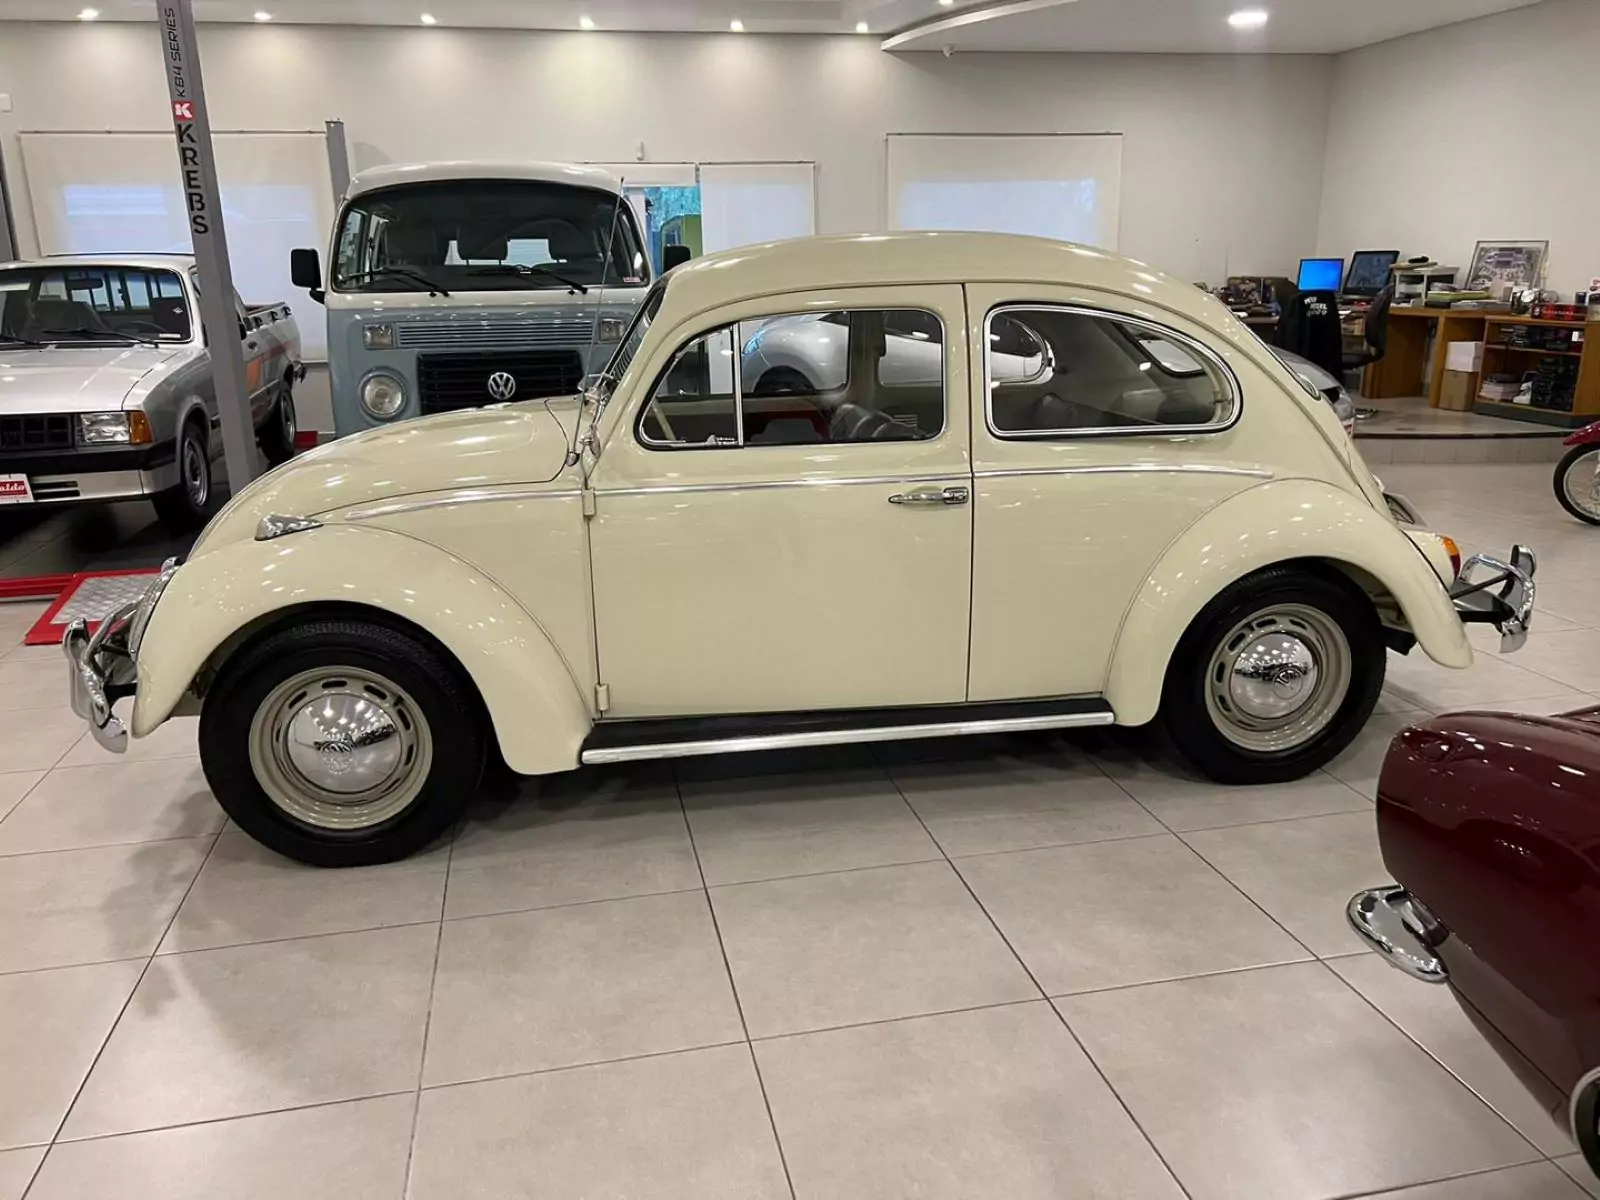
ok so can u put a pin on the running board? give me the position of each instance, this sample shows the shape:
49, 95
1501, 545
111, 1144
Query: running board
636, 741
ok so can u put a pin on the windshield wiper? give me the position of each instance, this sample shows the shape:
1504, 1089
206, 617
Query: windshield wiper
84, 331
520, 269
397, 273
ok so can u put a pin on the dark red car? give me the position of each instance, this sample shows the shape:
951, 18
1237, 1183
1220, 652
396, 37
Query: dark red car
1491, 824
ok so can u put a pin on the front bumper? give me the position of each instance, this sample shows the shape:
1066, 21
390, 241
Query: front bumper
102, 667
84, 476
1397, 926
1499, 593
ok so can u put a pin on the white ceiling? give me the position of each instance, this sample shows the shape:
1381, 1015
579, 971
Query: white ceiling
1160, 26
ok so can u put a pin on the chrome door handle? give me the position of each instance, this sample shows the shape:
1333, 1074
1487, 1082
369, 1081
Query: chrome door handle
945, 497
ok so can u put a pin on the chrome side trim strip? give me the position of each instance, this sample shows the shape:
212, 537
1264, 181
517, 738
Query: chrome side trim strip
680, 489
1131, 469
476, 496
844, 737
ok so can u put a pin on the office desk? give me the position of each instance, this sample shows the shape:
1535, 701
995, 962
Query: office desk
1399, 372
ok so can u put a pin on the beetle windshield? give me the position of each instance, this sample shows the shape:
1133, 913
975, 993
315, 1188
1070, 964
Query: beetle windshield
487, 235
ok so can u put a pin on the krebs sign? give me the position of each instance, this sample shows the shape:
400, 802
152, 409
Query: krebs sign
183, 119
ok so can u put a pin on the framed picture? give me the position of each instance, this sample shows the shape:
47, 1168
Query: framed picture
1518, 263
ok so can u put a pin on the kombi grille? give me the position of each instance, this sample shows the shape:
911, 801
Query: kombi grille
447, 382
572, 328
42, 432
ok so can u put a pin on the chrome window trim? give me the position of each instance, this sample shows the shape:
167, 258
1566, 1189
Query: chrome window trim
652, 444
1129, 469
1229, 378
473, 496
681, 489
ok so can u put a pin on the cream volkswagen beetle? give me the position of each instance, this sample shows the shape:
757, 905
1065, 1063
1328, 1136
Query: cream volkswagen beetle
1140, 514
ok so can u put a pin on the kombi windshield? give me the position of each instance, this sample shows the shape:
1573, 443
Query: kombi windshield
487, 235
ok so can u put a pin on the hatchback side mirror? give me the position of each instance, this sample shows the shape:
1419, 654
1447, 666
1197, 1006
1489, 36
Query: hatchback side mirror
305, 271
675, 256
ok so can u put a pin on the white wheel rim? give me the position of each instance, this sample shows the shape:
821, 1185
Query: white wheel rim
1278, 678
1580, 483
196, 476
340, 749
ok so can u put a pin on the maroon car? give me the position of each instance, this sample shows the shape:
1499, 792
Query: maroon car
1491, 824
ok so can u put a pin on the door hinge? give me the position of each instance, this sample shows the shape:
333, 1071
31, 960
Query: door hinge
602, 698
588, 502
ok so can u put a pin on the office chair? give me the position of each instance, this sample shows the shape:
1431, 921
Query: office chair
1375, 334
1310, 328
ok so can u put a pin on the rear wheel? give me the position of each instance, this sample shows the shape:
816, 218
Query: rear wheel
1275, 677
342, 743
188, 505
278, 434
1577, 483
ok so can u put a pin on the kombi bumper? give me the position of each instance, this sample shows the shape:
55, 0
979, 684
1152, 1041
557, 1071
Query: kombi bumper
102, 667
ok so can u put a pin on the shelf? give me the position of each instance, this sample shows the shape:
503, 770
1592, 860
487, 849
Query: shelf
1533, 350
1508, 319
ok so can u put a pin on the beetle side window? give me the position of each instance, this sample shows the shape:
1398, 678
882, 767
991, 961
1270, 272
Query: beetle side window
804, 379
1065, 372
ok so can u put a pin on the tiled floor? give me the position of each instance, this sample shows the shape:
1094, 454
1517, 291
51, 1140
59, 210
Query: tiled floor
1017, 968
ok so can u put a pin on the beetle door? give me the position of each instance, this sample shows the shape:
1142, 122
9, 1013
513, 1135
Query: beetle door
783, 518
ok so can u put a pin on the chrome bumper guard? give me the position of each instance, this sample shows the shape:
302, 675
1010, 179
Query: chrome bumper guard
102, 667
1398, 927
1491, 592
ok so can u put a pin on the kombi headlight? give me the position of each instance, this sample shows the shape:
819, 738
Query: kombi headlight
383, 395
377, 337
612, 329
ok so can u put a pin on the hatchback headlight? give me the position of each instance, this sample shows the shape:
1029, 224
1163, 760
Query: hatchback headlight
377, 337
383, 395
113, 429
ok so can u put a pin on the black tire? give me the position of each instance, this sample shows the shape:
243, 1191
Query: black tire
436, 689
189, 505
1570, 462
277, 436
1188, 717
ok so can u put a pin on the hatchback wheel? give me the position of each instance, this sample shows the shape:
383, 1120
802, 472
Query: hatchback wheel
342, 743
187, 506
1275, 677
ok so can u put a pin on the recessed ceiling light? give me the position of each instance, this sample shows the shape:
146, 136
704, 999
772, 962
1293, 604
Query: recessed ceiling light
736, 25
585, 22
1248, 18
89, 14
947, 3
263, 16
863, 27
429, 19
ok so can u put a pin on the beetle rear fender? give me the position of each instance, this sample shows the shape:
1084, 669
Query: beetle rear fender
536, 707
1277, 522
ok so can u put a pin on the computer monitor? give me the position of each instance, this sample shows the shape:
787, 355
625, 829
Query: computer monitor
1320, 274
1370, 272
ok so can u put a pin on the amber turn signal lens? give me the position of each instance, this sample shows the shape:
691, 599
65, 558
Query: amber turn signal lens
1454, 551
138, 429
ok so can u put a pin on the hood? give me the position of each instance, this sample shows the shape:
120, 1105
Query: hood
515, 444
74, 379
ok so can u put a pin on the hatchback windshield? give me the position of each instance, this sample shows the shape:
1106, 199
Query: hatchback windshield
487, 235
59, 305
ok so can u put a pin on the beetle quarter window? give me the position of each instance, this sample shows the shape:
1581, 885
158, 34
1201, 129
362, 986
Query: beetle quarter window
1060, 372
805, 379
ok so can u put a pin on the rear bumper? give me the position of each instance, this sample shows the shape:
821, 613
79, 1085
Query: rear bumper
1397, 926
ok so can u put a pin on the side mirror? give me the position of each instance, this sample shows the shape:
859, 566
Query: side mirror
305, 271
675, 256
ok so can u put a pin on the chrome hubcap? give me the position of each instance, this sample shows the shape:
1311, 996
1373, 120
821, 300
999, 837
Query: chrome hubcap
196, 478
1581, 483
1278, 678
286, 415
340, 749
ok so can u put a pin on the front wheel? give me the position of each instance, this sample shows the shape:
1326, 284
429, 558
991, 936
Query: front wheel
342, 743
1578, 483
1275, 676
278, 434
187, 506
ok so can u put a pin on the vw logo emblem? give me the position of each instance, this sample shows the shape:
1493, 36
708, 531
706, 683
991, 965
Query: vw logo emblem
502, 385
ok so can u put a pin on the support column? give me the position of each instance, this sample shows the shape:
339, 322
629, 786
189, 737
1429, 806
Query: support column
180, 55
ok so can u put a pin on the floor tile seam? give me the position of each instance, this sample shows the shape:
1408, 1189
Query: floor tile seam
733, 987
538, 908
1395, 1191
427, 1019
193, 837
292, 937
71, 966
1184, 978
122, 1011
1444, 1066
120, 761
1249, 899
279, 1110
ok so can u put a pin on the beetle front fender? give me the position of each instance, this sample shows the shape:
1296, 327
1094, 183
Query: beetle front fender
1276, 522
535, 705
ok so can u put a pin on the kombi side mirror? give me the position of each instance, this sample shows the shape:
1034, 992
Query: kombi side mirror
305, 271
675, 256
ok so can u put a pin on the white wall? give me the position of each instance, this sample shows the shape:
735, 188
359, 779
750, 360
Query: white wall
1474, 132
1222, 159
